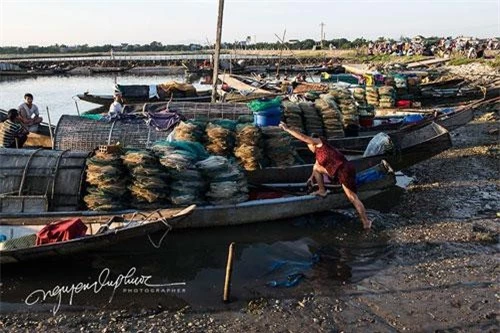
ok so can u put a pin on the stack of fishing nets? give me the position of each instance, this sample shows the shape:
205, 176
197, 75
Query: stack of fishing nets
220, 137
364, 109
278, 148
179, 158
148, 186
401, 86
190, 130
248, 149
107, 180
312, 120
387, 97
329, 111
347, 106
226, 181
293, 116
372, 95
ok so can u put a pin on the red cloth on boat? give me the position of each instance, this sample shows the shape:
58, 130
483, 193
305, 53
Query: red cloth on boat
336, 165
61, 231
403, 103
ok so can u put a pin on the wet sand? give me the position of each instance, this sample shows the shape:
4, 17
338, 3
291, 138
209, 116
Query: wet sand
437, 273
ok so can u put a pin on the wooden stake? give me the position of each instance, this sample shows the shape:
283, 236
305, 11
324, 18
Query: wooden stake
217, 50
50, 128
281, 53
229, 272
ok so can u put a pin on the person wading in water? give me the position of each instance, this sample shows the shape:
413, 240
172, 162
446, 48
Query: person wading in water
332, 163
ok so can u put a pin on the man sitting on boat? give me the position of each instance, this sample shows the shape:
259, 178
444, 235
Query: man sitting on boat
332, 163
29, 114
12, 132
115, 109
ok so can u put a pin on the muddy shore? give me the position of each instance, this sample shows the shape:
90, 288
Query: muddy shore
440, 273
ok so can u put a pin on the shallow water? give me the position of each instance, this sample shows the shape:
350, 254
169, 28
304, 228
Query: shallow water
325, 251
57, 92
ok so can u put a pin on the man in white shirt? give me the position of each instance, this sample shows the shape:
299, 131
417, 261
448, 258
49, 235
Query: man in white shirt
29, 114
115, 109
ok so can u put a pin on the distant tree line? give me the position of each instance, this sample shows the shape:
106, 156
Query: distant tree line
307, 44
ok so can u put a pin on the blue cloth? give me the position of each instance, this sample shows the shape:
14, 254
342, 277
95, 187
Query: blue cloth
292, 271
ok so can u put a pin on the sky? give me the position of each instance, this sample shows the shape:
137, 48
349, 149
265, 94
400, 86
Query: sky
98, 22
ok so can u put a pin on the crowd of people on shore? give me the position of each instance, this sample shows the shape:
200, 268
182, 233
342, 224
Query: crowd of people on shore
14, 130
444, 47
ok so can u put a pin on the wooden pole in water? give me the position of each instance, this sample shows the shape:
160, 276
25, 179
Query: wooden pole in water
229, 272
50, 128
217, 50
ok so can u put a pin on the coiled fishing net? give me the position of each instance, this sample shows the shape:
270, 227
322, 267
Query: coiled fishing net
372, 95
347, 106
107, 181
190, 131
248, 150
293, 116
220, 139
387, 96
331, 116
312, 120
278, 147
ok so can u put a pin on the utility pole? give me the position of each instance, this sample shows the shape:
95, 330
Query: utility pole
322, 36
217, 50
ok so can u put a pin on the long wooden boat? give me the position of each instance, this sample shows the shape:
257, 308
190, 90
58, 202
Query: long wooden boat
106, 100
264, 210
411, 147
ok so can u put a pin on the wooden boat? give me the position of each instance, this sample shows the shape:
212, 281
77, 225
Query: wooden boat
106, 100
40, 138
411, 147
291, 205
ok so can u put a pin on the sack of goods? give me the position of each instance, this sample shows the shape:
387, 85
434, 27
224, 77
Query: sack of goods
278, 148
293, 116
372, 95
220, 137
190, 130
330, 113
179, 158
148, 185
387, 97
226, 182
312, 119
107, 182
248, 150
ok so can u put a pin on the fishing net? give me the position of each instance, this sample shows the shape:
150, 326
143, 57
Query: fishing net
220, 139
331, 116
190, 131
372, 95
278, 147
347, 106
264, 104
387, 96
248, 150
293, 116
312, 120
107, 181
148, 184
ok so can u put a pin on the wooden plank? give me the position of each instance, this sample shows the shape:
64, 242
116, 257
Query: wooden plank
433, 61
241, 86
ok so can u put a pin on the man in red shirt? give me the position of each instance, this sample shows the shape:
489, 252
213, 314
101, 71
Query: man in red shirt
332, 163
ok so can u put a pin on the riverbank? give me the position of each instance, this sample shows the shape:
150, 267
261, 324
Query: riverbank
439, 272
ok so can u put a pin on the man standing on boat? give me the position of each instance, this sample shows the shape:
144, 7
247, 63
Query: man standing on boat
332, 163
29, 114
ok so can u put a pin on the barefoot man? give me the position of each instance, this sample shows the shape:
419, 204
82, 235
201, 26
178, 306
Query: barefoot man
332, 163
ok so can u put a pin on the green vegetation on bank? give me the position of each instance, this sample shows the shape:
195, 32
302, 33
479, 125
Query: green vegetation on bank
457, 61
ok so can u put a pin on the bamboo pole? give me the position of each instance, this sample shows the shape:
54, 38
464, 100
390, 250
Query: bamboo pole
281, 53
217, 50
293, 54
50, 128
229, 272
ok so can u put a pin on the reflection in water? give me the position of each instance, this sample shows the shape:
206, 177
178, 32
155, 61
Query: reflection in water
326, 250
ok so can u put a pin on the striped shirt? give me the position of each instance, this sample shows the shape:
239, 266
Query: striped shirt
9, 131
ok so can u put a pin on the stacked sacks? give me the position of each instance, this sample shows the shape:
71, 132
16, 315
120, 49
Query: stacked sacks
278, 148
148, 187
226, 182
332, 119
359, 96
220, 137
312, 120
179, 158
372, 95
293, 116
248, 150
347, 106
387, 97
190, 131
108, 184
